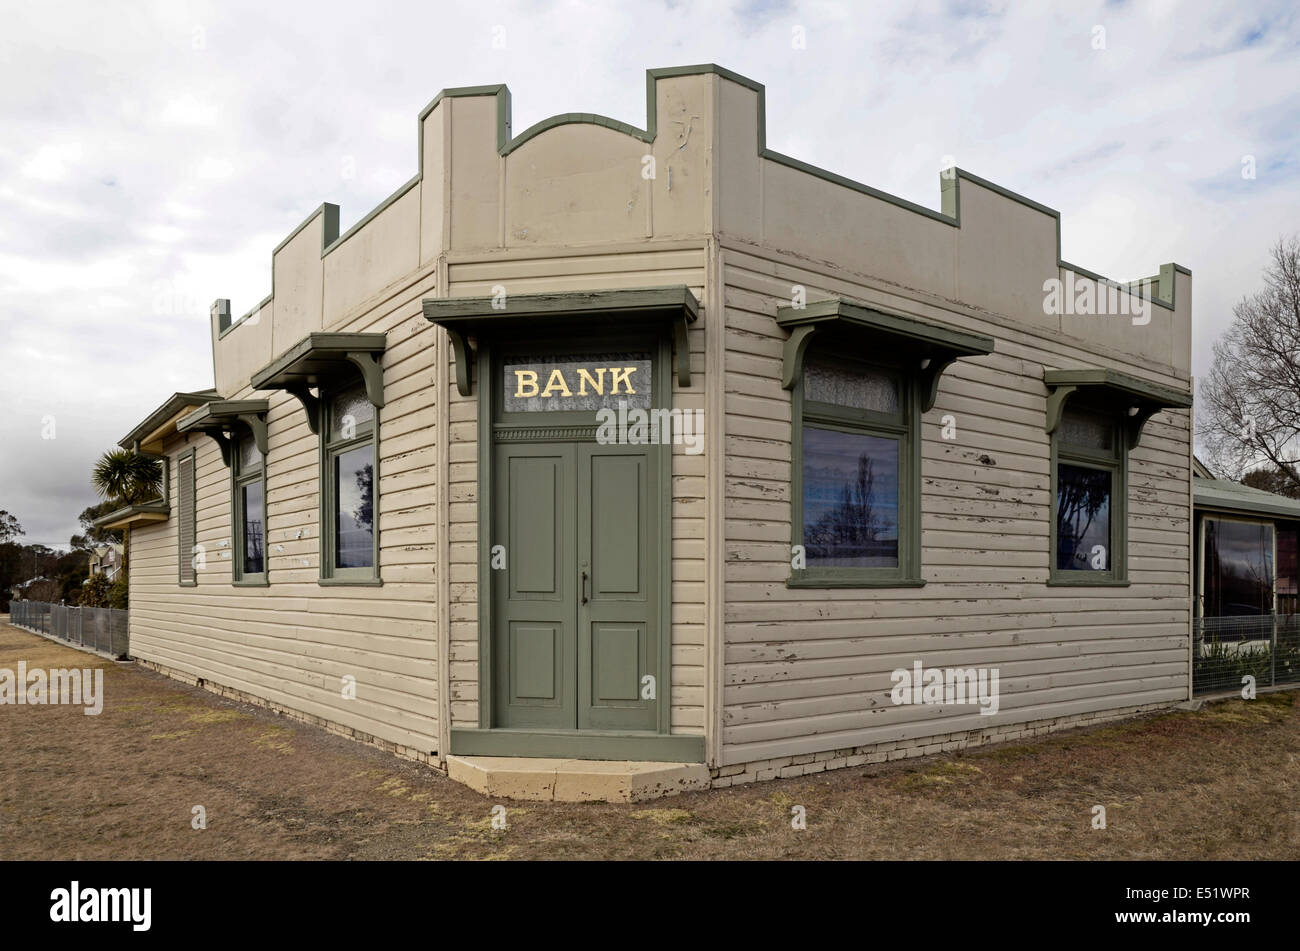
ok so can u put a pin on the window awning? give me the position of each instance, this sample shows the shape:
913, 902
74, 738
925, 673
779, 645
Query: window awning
1136, 399
933, 346
220, 418
477, 316
319, 359
130, 515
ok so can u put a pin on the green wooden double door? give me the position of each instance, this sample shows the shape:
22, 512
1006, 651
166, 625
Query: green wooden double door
576, 603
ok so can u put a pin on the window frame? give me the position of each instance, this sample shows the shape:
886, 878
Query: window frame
238, 481
1116, 462
330, 450
1202, 533
904, 426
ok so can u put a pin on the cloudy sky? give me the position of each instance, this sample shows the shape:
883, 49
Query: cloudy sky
152, 154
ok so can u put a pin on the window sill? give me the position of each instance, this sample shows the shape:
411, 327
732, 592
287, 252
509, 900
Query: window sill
251, 583
353, 582
1059, 582
828, 582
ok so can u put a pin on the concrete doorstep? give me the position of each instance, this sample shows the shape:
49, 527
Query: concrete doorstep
575, 780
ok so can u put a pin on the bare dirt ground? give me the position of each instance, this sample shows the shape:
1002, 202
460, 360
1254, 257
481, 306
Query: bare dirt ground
1223, 783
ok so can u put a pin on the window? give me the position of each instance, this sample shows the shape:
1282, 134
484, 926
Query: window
186, 554
248, 473
1238, 568
856, 511
1088, 500
349, 537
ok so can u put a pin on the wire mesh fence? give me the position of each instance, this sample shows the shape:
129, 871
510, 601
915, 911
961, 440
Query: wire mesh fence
1227, 649
100, 629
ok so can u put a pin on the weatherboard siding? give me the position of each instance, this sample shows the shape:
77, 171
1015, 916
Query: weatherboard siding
293, 641
809, 670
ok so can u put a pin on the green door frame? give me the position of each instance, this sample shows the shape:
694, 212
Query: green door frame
586, 744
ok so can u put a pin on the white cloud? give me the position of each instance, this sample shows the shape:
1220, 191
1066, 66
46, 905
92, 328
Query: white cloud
51, 163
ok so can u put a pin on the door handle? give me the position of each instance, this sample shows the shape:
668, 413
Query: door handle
582, 587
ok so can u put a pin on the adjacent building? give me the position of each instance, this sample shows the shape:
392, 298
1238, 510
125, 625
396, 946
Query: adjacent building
602, 443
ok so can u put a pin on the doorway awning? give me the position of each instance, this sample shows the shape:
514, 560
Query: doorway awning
1136, 399
868, 330
320, 359
220, 418
463, 317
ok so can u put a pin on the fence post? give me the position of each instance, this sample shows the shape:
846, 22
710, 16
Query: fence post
1272, 656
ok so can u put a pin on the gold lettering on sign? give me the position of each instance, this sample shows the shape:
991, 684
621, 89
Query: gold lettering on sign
615, 378
525, 378
556, 382
597, 382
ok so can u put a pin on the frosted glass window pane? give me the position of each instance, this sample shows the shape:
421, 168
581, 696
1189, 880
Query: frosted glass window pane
351, 414
844, 386
1087, 431
250, 460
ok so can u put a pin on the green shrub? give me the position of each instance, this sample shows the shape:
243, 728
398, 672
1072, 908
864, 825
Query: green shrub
95, 592
119, 594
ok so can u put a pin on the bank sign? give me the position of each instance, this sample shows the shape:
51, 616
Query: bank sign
587, 384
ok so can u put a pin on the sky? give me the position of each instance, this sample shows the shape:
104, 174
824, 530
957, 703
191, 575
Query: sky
153, 154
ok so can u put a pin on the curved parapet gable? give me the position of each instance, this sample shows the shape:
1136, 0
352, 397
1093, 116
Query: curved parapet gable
700, 168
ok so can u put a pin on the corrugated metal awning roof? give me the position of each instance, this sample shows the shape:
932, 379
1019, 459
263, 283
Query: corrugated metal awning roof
1220, 495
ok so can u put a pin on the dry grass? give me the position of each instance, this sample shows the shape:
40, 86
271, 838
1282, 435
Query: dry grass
1220, 784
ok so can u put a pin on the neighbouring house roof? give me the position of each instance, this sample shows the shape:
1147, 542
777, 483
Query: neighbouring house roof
1200, 470
162, 422
1221, 495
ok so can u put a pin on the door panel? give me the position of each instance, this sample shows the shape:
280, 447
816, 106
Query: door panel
535, 663
618, 626
534, 618
618, 661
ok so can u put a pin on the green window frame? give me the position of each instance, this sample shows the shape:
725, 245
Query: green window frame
1089, 441
340, 440
248, 481
899, 425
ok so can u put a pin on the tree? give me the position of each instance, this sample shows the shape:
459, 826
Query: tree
9, 527
1250, 402
127, 477
1271, 479
93, 536
851, 528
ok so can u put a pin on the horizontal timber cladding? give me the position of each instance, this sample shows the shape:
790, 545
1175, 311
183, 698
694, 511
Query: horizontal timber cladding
675, 264
809, 671
293, 642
